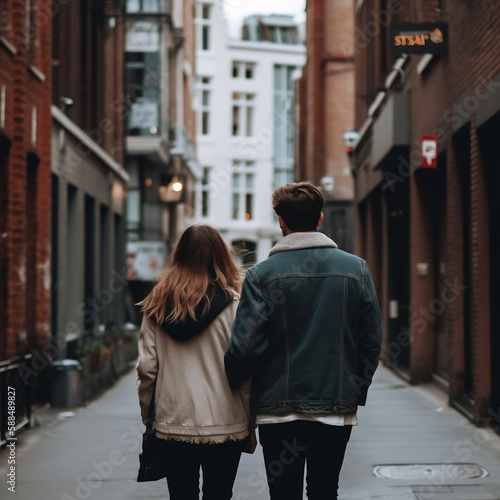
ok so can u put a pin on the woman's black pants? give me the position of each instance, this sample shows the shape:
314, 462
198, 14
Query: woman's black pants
218, 462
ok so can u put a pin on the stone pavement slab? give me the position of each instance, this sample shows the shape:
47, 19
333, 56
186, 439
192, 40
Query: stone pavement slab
404, 424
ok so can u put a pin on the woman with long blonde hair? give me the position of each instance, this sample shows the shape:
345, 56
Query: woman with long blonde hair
185, 331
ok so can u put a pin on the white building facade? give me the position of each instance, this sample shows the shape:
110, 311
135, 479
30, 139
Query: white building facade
245, 123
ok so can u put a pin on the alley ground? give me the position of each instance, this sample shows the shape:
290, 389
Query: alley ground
92, 452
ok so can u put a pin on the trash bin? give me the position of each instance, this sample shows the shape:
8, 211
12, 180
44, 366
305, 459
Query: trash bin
66, 390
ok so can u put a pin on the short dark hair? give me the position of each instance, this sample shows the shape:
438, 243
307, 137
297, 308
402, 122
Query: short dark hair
299, 205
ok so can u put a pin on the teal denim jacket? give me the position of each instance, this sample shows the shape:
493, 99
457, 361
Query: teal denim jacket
308, 330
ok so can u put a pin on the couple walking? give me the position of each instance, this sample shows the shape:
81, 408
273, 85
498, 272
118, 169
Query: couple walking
291, 350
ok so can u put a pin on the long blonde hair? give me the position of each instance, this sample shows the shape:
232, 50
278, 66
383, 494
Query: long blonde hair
200, 258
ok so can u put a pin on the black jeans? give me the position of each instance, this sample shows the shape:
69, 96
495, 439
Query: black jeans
219, 463
289, 446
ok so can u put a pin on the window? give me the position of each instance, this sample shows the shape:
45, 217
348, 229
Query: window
134, 202
142, 78
243, 114
284, 126
5, 14
205, 192
280, 34
243, 70
205, 96
203, 22
33, 32
243, 189
275, 34
143, 92
144, 5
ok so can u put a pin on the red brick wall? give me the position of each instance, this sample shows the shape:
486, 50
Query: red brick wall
450, 86
27, 302
327, 94
445, 90
314, 126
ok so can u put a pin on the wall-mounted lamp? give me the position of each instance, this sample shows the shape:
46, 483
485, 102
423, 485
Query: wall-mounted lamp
65, 103
350, 137
177, 185
327, 183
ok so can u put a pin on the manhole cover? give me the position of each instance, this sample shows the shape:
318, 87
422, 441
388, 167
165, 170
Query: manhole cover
430, 471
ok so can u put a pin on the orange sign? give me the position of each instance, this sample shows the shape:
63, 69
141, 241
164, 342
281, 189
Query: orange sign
419, 38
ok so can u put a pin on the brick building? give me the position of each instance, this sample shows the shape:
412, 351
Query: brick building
326, 111
88, 179
62, 185
430, 235
25, 99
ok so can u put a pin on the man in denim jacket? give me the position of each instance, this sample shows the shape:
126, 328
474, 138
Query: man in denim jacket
308, 330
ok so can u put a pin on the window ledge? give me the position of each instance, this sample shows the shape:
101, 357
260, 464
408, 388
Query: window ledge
8, 45
424, 63
208, 53
37, 73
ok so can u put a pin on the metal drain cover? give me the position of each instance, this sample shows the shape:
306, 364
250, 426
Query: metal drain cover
430, 471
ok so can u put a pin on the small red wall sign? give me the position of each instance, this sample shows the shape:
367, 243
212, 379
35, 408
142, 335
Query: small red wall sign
429, 151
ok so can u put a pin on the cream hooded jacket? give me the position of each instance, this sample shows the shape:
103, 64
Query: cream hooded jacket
193, 400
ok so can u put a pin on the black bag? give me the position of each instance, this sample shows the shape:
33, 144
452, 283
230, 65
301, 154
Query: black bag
151, 463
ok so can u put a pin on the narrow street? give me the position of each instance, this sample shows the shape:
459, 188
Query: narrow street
93, 453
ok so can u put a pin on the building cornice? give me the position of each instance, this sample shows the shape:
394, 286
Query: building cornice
84, 139
297, 49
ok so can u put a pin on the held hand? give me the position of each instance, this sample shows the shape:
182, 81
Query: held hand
252, 442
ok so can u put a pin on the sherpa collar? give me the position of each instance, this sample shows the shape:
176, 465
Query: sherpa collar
297, 241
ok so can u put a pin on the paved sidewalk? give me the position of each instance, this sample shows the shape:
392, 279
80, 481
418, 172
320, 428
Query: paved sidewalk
93, 454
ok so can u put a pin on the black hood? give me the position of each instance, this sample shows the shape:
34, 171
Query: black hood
189, 328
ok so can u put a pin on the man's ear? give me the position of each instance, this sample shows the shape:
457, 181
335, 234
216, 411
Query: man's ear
282, 222
320, 220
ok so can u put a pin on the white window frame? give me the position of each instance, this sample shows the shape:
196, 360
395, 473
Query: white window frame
204, 109
243, 169
280, 32
284, 160
205, 190
243, 106
202, 24
143, 6
241, 70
